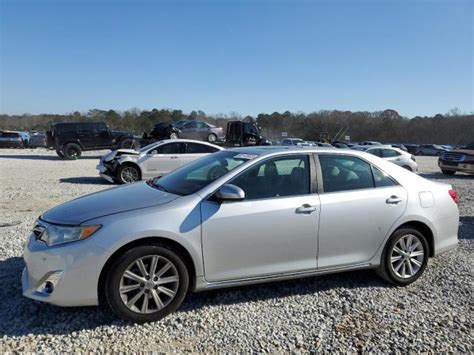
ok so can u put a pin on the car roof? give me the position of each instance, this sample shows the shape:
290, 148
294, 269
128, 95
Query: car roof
181, 140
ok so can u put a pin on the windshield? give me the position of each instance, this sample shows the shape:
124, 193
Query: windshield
149, 146
469, 146
200, 173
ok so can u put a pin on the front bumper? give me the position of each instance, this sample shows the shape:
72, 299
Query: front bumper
106, 173
466, 167
72, 269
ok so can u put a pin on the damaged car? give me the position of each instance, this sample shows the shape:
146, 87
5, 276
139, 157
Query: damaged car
126, 166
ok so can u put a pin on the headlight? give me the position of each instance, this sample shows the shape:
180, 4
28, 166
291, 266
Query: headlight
54, 235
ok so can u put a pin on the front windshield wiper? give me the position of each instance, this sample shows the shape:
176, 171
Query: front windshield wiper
157, 186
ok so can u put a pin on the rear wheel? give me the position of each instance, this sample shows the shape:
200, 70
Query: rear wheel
405, 257
72, 151
448, 172
146, 283
128, 174
407, 167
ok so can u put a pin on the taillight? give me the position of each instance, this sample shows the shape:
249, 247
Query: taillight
454, 196
413, 158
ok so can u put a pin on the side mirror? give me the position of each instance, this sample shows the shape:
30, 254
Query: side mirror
229, 192
153, 152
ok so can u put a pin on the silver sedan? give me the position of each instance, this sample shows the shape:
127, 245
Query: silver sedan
239, 216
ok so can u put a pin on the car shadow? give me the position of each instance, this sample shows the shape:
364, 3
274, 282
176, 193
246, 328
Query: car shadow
44, 157
86, 180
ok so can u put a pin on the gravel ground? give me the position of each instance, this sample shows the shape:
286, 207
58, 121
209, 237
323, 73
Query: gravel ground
345, 312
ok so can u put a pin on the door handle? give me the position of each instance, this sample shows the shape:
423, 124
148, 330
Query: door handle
393, 200
305, 209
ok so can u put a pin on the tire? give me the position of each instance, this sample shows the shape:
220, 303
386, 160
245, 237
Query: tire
398, 272
128, 173
448, 172
174, 135
128, 143
72, 151
130, 305
212, 138
59, 153
407, 167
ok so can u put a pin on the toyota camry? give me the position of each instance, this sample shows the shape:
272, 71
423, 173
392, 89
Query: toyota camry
235, 217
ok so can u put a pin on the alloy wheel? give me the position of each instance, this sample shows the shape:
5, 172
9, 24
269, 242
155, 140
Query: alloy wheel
407, 256
129, 174
149, 284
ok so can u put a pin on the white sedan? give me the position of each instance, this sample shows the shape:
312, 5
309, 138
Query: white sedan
394, 155
127, 165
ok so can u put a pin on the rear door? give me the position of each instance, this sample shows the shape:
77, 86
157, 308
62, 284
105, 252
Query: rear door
165, 158
196, 150
359, 204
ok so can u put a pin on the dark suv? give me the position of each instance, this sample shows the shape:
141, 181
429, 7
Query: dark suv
71, 138
460, 159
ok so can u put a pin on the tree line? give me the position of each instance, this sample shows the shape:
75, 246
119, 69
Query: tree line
384, 126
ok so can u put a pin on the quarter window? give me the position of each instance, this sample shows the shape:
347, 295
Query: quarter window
278, 177
382, 179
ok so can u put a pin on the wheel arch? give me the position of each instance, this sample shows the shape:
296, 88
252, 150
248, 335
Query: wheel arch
176, 246
423, 229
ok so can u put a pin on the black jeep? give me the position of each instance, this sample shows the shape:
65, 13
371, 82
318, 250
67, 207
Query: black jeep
71, 138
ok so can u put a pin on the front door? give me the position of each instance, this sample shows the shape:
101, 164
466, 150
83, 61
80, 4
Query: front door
272, 231
164, 158
359, 205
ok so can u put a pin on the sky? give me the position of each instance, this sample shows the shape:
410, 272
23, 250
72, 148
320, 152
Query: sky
60, 56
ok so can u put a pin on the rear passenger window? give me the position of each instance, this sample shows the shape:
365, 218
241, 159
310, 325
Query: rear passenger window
342, 173
382, 179
170, 148
390, 153
195, 148
278, 177
376, 152
84, 127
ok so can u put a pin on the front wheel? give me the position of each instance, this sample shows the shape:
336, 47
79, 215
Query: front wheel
174, 135
128, 174
146, 283
405, 257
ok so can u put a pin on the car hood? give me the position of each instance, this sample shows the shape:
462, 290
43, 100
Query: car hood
464, 151
116, 153
115, 200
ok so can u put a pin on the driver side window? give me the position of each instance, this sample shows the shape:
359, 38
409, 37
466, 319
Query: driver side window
277, 177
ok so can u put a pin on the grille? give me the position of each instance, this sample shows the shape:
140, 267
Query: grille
457, 157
